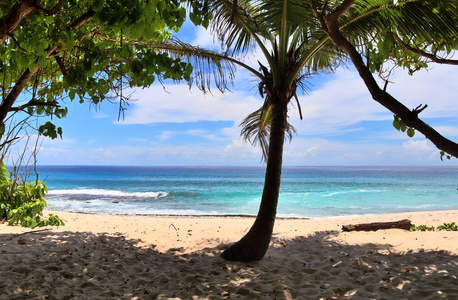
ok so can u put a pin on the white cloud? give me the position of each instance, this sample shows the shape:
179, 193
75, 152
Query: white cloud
345, 101
418, 146
159, 156
138, 140
340, 102
436, 87
179, 105
337, 106
204, 39
165, 135
448, 131
300, 152
100, 115
328, 152
333, 107
204, 134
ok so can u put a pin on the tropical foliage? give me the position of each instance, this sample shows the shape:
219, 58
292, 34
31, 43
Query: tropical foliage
23, 203
444, 227
81, 49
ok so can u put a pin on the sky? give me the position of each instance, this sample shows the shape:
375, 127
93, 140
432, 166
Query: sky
171, 125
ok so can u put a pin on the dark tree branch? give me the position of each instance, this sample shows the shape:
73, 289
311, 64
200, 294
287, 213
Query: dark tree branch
83, 19
34, 102
419, 109
16, 42
298, 105
18, 12
16, 91
318, 15
410, 117
432, 56
8, 102
386, 85
340, 10
51, 11
8, 141
61, 64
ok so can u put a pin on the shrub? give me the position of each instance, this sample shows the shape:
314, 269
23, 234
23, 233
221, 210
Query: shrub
23, 203
422, 228
446, 226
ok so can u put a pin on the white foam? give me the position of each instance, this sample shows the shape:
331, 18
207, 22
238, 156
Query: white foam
107, 193
331, 194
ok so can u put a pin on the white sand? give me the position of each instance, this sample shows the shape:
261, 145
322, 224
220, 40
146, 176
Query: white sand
150, 257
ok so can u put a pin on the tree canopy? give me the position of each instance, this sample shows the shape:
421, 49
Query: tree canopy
83, 49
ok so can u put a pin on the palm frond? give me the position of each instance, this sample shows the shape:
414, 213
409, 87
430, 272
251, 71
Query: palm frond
256, 129
208, 66
236, 25
435, 22
429, 21
275, 13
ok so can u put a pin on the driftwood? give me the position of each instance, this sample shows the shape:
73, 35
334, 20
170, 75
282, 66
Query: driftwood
402, 224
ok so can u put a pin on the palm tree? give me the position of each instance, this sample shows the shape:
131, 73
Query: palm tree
294, 44
293, 49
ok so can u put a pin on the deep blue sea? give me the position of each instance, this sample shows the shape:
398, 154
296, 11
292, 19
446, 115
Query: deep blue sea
305, 192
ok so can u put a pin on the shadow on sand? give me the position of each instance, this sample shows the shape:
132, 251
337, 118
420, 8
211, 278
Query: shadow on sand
81, 265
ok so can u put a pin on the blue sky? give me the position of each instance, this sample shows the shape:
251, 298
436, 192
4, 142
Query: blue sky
342, 125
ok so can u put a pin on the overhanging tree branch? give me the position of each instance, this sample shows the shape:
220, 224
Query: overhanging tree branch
431, 56
16, 91
339, 11
410, 117
8, 102
34, 103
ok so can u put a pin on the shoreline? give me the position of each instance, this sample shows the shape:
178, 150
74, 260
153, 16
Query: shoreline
247, 216
176, 257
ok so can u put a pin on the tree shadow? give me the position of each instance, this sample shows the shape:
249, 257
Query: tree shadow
82, 265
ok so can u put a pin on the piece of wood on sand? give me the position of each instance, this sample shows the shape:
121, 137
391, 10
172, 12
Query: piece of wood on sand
402, 224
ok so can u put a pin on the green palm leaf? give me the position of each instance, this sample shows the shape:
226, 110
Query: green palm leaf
256, 129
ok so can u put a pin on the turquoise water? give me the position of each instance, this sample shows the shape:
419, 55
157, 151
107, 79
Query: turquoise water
305, 192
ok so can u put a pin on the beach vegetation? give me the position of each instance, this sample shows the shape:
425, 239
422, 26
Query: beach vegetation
444, 227
22, 202
422, 228
300, 38
448, 226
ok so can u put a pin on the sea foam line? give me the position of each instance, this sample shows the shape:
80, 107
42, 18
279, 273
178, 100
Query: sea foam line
107, 193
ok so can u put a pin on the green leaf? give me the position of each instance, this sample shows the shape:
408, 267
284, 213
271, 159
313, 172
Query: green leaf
410, 132
49, 129
396, 124
71, 94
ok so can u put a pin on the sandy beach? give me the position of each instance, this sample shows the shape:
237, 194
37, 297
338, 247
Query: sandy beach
155, 257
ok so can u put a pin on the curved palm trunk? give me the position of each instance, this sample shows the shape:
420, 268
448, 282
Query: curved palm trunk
254, 244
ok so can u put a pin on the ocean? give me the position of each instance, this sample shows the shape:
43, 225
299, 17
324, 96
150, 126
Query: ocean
309, 192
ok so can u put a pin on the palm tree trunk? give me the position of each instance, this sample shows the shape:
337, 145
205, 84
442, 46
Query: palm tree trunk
253, 246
